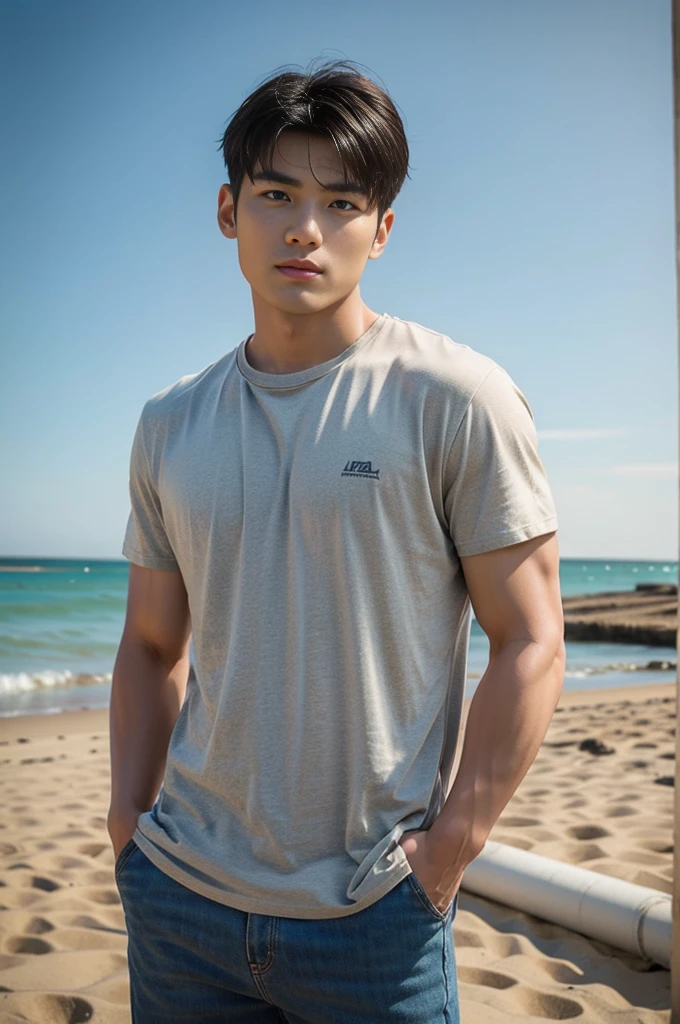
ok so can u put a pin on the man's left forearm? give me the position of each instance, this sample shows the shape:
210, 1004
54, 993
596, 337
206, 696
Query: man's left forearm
508, 719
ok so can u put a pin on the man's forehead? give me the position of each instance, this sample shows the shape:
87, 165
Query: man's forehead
298, 154
322, 168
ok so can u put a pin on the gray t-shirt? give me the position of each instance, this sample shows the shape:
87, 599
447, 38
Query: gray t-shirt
317, 519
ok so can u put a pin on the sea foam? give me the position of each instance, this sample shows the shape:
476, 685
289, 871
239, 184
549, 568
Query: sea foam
48, 679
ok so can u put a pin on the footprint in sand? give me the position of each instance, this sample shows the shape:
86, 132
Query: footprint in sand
561, 972
92, 849
619, 812
656, 845
485, 978
102, 896
46, 884
65, 862
60, 1008
546, 1004
38, 926
494, 943
469, 939
27, 944
578, 854
587, 832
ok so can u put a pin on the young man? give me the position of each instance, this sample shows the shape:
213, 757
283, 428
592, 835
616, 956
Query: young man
318, 508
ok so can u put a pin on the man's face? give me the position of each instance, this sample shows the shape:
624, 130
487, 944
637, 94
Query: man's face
280, 220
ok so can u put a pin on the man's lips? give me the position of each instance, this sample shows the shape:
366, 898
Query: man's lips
299, 273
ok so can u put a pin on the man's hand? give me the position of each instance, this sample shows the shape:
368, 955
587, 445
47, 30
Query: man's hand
435, 866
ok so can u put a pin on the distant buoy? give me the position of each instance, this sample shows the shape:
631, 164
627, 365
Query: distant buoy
86, 569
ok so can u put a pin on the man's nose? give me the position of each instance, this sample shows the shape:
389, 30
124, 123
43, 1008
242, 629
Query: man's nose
305, 228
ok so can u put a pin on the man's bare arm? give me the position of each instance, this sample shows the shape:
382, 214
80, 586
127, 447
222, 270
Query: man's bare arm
147, 690
515, 593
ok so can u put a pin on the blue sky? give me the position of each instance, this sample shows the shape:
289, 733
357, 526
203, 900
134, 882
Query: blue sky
537, 227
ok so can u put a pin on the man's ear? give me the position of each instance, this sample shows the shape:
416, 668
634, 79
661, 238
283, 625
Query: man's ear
226, 220
381, 235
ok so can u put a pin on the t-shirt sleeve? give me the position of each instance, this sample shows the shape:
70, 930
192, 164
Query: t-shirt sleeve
146, 541
496, 492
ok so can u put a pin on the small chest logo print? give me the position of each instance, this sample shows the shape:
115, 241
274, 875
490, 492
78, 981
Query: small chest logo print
361, 469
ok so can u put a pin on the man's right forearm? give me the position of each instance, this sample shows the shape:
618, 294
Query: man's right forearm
146, 698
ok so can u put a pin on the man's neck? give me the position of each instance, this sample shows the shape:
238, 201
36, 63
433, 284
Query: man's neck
284, 343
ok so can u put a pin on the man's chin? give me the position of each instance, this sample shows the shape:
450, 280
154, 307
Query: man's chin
301, 304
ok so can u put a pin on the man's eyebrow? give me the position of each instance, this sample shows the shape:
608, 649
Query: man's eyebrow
286, 179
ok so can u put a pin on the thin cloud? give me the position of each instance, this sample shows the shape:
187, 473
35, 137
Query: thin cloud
579, 434
658, 469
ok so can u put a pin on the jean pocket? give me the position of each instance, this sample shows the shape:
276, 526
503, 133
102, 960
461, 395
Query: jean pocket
124, 856
440, 915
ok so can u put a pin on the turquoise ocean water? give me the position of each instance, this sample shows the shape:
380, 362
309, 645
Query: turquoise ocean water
61, 623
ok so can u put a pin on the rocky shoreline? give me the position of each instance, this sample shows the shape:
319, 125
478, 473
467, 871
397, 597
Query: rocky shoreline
647, 615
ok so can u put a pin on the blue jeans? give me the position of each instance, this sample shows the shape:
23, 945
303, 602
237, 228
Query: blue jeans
195, 961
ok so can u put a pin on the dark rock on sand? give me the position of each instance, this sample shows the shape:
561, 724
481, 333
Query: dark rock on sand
594, 746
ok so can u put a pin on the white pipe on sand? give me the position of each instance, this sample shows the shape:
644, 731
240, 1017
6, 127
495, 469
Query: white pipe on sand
628, 916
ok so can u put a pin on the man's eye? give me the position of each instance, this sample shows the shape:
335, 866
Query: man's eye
276, 192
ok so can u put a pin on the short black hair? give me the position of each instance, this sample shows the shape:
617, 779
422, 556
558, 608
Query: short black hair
337, 102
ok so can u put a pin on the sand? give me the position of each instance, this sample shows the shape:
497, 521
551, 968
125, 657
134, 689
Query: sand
62, 929
647, 615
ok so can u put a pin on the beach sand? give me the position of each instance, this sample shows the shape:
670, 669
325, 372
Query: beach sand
62, 930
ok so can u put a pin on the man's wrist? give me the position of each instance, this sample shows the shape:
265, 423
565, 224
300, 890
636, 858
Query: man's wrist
122, 822
455, 843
